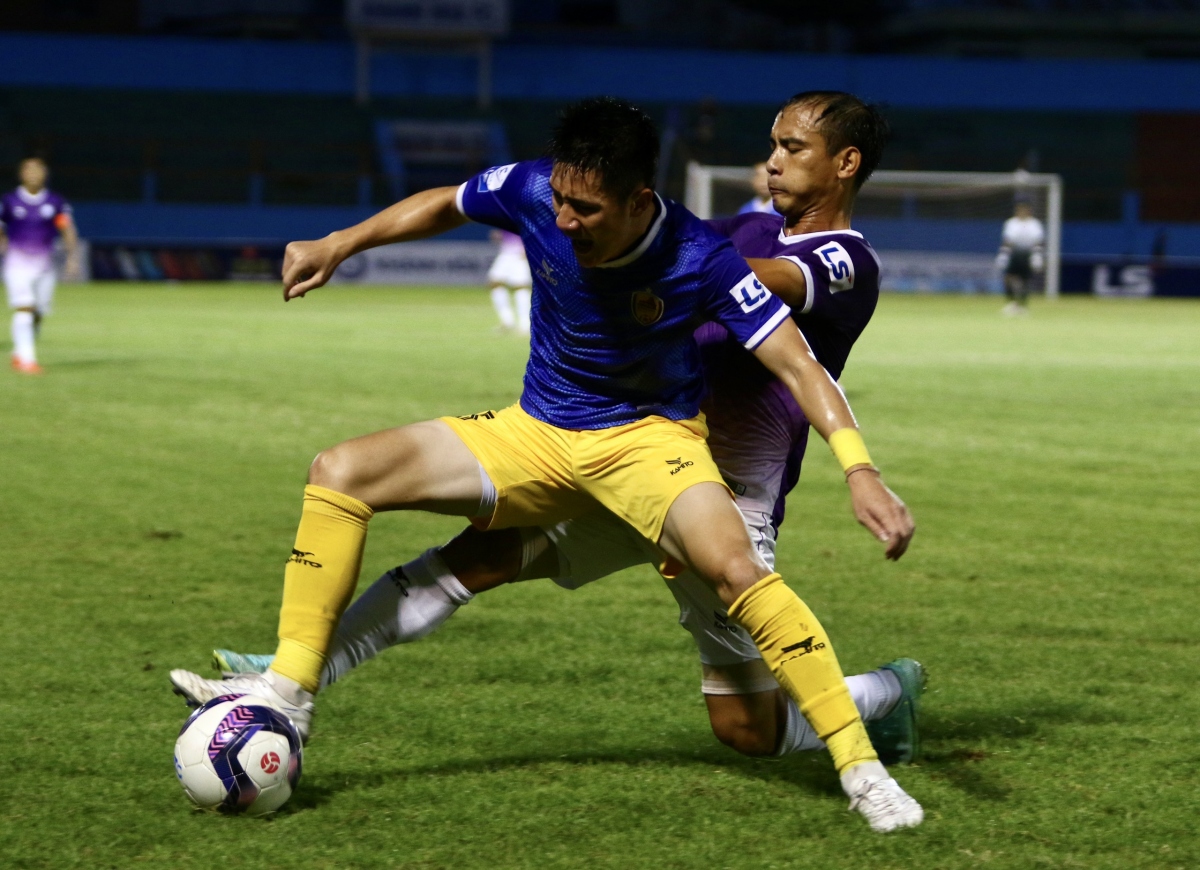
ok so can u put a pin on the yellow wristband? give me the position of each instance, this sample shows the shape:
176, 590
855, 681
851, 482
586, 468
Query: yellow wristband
847, 445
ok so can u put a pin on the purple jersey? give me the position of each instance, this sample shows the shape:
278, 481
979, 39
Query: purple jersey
32, 222
757, 432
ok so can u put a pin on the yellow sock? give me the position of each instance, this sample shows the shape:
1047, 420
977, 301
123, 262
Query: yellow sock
318, 581
799, 654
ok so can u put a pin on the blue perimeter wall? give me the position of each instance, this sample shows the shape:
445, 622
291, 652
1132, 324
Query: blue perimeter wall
562, 73
559, 73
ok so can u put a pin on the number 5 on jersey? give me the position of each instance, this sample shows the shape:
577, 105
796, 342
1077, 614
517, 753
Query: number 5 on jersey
841, 267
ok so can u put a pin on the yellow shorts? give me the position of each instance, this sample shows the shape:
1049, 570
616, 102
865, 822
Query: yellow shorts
544, 475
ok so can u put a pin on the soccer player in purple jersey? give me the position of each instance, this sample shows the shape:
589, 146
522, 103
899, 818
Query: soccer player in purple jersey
607, 420
31, 218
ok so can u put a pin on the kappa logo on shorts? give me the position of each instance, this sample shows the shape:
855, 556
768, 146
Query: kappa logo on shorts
482, 415
301, 558
805, 647
721, 622
647, 308
680, 464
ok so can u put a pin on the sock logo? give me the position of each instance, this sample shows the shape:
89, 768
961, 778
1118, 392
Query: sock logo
400, 580
301, 558
680, 464
805, 647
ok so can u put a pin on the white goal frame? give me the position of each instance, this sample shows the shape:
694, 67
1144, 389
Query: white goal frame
698, 197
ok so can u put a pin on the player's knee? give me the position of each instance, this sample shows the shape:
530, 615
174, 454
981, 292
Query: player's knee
736, 574
743, 733
330, 469
341, 469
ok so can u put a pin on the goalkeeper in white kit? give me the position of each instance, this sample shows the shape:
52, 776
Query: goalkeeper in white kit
1022, 255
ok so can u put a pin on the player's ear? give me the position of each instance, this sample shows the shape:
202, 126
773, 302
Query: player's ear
641, 200
849, 160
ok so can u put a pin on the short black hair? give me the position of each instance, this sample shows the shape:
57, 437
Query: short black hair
613, 138
845, 120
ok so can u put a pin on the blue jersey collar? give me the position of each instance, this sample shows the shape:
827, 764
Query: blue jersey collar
644, 244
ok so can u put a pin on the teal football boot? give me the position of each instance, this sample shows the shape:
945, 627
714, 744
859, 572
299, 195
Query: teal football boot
229, 662
897, 737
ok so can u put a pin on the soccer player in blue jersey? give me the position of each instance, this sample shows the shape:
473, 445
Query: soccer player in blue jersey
829, 274
608, 418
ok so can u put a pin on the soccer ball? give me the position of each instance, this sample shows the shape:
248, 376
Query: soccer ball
238, 754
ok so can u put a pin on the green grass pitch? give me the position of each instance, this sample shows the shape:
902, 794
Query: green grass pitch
149, 489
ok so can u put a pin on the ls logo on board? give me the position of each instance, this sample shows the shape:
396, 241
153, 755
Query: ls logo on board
647, 308
749, 293
494, 178
840, 266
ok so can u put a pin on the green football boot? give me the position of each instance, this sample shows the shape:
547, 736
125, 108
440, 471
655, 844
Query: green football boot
229, 662
897, 736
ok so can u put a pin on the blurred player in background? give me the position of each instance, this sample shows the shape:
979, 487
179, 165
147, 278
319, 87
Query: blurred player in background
32, 217
511, 282
761, 203
1022, 255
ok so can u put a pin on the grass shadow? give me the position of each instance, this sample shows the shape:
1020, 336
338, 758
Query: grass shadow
810, 772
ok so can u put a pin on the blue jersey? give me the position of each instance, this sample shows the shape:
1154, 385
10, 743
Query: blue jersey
614, 344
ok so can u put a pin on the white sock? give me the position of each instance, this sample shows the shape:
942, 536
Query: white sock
857, 777
403, 605
502, 302
874, 693
287, 688
22, 337
523, 299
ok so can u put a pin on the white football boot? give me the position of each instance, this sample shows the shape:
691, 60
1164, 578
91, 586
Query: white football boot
880, 800
279, 691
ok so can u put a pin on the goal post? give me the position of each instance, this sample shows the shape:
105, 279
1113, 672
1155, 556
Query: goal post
935, 231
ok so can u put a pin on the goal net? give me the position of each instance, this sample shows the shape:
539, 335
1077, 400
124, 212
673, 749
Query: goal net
934, 231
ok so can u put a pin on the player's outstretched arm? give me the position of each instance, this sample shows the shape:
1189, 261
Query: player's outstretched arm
308, 265
788, 356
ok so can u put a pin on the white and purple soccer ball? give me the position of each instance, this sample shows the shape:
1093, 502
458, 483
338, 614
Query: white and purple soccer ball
238, 754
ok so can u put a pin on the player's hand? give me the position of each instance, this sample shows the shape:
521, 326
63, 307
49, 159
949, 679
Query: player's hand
881, 511
308, 265
72, 270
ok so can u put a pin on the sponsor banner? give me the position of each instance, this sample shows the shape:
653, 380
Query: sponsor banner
939, 272
442, 263
1129, 277
157, 263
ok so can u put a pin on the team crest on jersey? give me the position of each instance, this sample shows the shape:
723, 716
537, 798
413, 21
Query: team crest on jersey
647, 308
494, 178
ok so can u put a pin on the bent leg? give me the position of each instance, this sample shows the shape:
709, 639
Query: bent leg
705, 530
423, 466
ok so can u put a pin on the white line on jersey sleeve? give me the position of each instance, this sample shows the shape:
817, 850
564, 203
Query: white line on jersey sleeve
767, 328
458, 199
809, 290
